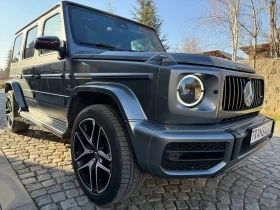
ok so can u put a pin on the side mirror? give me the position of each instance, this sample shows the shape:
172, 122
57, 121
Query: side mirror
47, 43
50, 43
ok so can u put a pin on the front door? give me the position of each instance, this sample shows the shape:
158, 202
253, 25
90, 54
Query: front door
51, 70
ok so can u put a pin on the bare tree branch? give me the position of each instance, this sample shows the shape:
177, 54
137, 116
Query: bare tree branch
224, 15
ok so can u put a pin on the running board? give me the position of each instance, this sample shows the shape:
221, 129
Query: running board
54, 125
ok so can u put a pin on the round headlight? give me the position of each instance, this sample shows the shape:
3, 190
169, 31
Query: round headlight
190, 91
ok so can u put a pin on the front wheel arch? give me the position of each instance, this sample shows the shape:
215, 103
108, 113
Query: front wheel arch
119, 95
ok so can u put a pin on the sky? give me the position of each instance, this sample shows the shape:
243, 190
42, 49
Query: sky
17, 13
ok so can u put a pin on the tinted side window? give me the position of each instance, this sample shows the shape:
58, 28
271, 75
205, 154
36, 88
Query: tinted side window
17, 48
29, 44
52, 28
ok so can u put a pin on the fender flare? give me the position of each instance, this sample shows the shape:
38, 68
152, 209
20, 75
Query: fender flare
18, 94
125, 99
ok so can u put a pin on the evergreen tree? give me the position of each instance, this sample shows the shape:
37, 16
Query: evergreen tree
8, 62
146, 13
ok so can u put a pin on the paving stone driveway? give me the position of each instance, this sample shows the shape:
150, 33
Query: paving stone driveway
43, 164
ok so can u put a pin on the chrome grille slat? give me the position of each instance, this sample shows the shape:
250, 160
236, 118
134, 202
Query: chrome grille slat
243, 85
224, 102
237, 98
254, 86
259, 93
233, 101
256, 93
233, 96
241, 94
229, 95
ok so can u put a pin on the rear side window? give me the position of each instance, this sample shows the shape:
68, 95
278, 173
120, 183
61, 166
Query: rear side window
17, 49
52, 27
29, 44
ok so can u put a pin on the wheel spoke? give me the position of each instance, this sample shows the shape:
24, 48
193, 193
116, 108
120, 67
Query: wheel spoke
81, 141
92, 133
9, 119
86, 150
88, 138
96, 178
99, 165
8, 106
106, 156
8, 110
100, 132
90, 165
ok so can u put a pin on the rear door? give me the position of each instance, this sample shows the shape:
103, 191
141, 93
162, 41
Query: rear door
30, 83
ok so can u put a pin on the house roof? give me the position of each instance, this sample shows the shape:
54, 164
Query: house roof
261, 48
222, 53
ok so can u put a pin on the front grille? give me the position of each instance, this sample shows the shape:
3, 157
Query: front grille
192, 156
233, 98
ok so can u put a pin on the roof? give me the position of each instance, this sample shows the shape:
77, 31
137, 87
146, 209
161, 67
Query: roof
62, 3
225, 54
261, 48
49, 10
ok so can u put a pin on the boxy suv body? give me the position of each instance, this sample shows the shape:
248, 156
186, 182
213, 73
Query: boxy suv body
128, 106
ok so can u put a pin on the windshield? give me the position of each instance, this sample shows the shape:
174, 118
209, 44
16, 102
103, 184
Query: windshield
101, 30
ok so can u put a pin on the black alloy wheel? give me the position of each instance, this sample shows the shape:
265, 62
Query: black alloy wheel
14, 122
9, 111
103, 157
93, 155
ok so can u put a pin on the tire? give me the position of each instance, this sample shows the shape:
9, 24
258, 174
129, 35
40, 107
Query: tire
12, 108
125, 176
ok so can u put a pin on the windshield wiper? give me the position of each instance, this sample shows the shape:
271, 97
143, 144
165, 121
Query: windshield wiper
111, 47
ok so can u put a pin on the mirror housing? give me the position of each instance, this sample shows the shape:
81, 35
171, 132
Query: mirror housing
50, 43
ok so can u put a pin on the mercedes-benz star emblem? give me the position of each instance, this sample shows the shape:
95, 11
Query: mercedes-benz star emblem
248, 94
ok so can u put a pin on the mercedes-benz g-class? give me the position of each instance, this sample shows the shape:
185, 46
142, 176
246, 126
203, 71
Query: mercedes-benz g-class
128, 106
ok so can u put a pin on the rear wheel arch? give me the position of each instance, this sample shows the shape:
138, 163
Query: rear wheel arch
19, 97
8, 87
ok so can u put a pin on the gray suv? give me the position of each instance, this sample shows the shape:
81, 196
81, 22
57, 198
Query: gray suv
128, 106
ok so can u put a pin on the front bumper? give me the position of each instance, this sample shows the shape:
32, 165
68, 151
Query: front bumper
186, 151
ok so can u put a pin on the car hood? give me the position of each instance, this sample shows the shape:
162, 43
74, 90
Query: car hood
157, 58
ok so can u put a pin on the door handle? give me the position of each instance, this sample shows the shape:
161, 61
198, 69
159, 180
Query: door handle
36, 76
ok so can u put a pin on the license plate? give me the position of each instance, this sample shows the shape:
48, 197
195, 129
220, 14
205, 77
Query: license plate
260, 132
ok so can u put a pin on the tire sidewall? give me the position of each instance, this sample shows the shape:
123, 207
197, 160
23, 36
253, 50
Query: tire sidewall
111, 191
